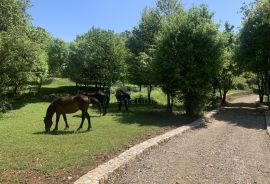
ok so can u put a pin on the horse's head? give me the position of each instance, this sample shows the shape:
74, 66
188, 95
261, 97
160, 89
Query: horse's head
127, 96
48, 123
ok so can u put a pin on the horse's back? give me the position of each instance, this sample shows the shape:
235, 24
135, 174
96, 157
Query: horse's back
121, 95
71, 104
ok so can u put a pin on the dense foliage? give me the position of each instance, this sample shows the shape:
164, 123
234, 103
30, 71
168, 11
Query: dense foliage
253, 52
23, 54
96, 57
226, 75
188, 56
182, 51
58, 56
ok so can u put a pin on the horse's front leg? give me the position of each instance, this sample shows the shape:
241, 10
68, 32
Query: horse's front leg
104, 107
81, 125
57, 120
99, 108
65, 119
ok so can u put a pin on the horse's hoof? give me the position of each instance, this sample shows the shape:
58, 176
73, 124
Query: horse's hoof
66, 128
79, 129
88, 129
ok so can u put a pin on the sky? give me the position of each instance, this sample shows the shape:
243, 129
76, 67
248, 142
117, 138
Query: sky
67, 18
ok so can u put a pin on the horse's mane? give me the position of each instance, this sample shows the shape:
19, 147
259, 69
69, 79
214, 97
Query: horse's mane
50, 112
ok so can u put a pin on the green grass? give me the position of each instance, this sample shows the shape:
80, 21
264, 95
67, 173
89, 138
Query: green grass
24, 146
58, 82
235, 91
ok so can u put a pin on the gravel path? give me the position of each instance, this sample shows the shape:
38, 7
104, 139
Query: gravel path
233, 148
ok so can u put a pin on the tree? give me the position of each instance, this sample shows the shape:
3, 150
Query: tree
42, 40
19, 58
96, 57
168, 7
58, 56
23, 48
253, 54
188, 56
226, 75
13, 13
141, 43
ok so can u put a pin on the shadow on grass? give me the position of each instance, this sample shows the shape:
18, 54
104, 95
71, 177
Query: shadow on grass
151, 115
61, 132
80, 116
242, 114
72, 90
47, 95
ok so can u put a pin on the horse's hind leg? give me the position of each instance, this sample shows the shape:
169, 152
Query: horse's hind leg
65, 119
89, 120
104, 107
119, 105
81, 125
105, 110
99, 108
57, 120
126, 105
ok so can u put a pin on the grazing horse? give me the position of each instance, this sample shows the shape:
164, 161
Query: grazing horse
103, 97
67, 105
122, 97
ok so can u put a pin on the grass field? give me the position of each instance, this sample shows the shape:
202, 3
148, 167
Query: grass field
27, 155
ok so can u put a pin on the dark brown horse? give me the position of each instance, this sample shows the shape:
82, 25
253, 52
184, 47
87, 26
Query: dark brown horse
103, 97
67, 105
122, 97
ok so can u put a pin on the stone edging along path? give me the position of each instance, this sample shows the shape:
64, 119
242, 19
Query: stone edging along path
267, 121
102, 173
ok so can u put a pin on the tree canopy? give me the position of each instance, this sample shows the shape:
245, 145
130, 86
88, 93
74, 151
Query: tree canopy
96, 57
23, 58
188, 56
254, 44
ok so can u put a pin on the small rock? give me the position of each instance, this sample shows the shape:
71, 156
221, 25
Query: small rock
69, 178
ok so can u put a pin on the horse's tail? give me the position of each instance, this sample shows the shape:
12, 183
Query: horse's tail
95, 101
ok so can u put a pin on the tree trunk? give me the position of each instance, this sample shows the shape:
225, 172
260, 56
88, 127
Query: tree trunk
220, 93
223, 101
268, 101
15, 89
189, 104
168, 102
261, 95
149, 90
214, 91
189, 110
171, 109
140, 88
39, 85
260, 84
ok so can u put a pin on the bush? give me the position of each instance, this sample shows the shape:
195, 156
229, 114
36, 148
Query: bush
5, 105
240, 83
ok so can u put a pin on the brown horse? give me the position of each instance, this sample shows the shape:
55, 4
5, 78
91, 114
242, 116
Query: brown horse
67, 105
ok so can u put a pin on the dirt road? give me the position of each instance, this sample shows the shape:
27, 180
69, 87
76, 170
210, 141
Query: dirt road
233, 148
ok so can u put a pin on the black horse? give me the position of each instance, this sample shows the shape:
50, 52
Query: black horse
103, 97
122, 97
